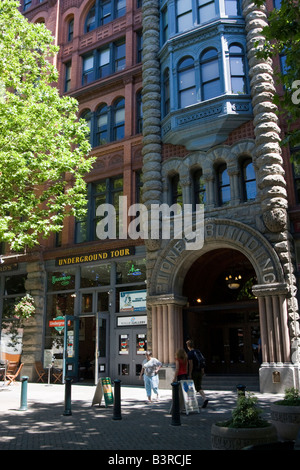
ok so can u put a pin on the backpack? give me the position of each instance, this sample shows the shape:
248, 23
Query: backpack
200, 360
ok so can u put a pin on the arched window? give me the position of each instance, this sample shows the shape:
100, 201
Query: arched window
248, 180
166, 92
87, 116
119, 119
237, 69
199, 196
223, 182
104, 11
90, 22
210, 74
102, 125
176, 190
186, 82
70, 30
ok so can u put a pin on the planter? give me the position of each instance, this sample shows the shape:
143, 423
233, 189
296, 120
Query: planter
286, 419
224, 438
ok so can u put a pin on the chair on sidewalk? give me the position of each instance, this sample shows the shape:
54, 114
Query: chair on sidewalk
57, 374
13, 372
3, 368
41, 372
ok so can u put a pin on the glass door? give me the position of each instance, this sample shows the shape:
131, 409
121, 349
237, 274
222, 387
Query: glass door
132, 345
71, 346
94, 335
101, 346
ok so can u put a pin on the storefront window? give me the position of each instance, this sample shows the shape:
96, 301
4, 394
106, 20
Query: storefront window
15, 284
61, 280
58, 305
131, 271
11, 327
102, 302
95, 276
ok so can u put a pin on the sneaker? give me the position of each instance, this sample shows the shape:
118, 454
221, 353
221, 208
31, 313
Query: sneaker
205, 404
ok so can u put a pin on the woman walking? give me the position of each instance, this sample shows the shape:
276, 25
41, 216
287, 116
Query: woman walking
181, 365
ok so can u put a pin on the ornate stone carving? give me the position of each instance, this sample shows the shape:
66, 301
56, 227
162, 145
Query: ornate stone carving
152, 183
268, 157
267, 131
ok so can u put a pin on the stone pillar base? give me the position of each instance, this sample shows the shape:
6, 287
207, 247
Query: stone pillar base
166, 375
276, 378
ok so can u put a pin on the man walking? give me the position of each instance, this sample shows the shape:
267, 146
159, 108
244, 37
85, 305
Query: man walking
196, 369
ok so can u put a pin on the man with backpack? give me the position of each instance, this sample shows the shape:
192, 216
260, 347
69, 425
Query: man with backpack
196, 369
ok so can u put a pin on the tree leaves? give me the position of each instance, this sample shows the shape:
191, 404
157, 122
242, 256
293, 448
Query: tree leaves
282, 37
43, 146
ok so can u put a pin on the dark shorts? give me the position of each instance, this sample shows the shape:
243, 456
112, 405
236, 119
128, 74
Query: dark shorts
197, 378
182, 377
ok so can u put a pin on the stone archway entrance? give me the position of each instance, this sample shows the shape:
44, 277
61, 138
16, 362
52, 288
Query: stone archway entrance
166, 301
222, 317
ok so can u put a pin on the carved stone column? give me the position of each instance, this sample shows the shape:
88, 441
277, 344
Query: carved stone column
268, 160
273, 322
152, 146
167, 335
152, 185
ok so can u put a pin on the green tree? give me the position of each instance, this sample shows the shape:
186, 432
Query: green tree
43, 146
282, 36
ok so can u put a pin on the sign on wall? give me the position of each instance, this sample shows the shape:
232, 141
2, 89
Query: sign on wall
132, 321
133, 301
92, 257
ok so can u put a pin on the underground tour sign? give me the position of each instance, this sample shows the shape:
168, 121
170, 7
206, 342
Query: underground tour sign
58, 323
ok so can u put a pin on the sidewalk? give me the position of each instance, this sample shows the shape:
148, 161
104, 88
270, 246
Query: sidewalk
143, 426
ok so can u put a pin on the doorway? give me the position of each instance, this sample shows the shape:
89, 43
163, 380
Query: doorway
132, 346
223, 320
93, 336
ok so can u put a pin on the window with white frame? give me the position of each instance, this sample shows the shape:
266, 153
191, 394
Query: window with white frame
186, 82
103, 62
210, 74
237, 69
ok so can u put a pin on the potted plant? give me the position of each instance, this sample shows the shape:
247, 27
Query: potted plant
245, 428
285, 414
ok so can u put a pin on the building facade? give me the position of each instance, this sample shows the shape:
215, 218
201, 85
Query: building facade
216, 100
180, 111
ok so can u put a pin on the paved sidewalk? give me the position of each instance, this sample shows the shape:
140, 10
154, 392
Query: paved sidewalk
43, 426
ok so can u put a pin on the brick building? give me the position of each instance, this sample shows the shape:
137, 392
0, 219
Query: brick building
203, 131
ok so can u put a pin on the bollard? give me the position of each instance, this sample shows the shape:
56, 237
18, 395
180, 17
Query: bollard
176, 405
67, 411
117, 400
24, 381
241, 390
